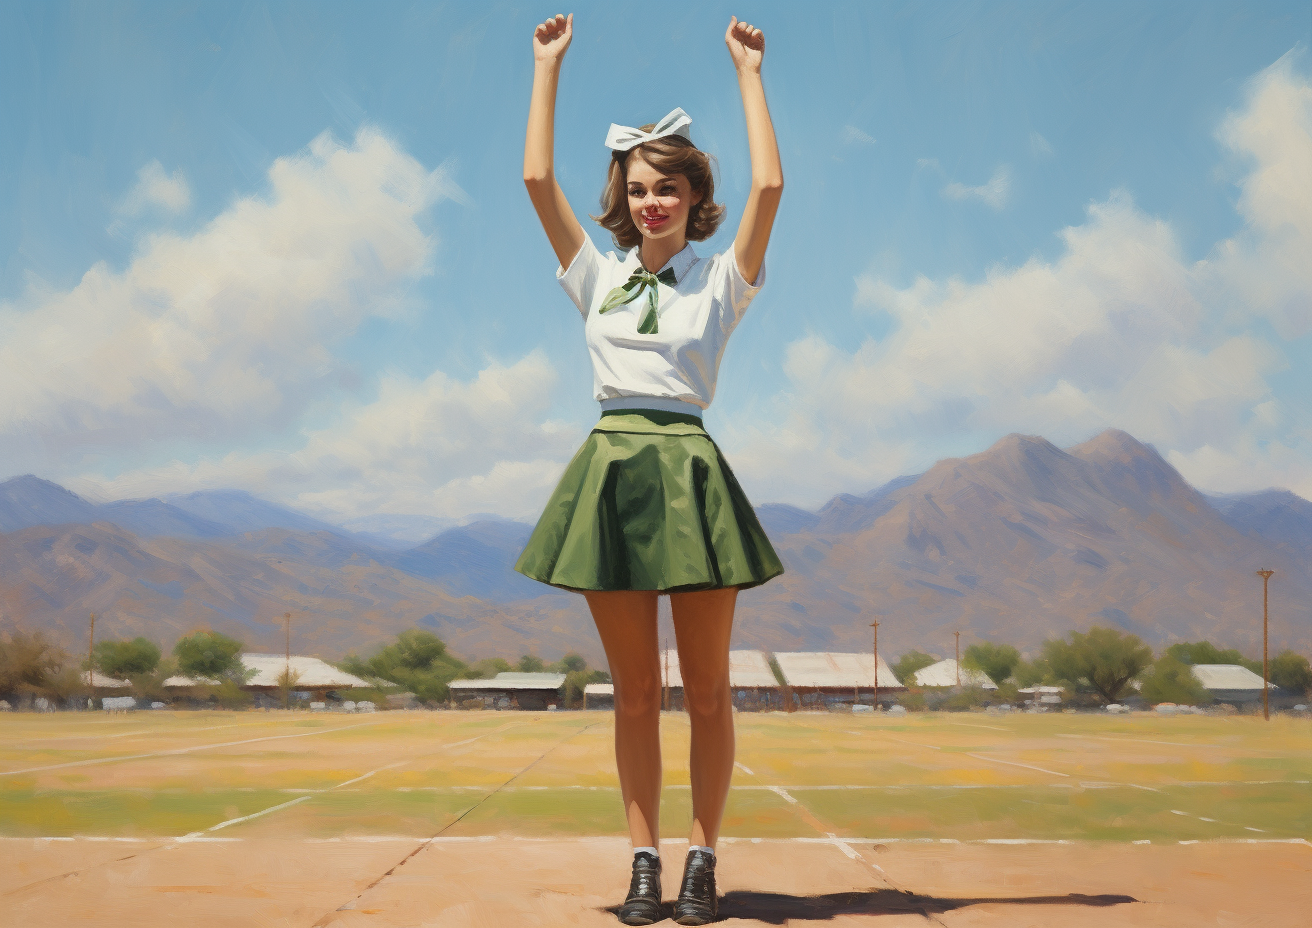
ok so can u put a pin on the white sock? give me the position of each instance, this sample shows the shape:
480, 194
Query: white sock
650, 850
701, 847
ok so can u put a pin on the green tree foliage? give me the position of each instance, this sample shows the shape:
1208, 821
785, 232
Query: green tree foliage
909, 663
1034, 673
576, 680
209, 656
570, 663
530, 663
487, 668
30, 665
417, 661
996, 660
1204, 652
1291, 671
126, 659
1104, 658
1172, 680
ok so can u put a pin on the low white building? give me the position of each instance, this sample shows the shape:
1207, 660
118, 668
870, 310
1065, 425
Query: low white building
944, 673
599, 696
826, 677
309, 674
1232, 683
751, 681
512, 690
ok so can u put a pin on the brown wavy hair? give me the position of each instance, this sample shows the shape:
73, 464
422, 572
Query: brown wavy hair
671, 155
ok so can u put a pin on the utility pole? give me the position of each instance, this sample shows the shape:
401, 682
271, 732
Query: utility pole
958, 659
1266, 577
91, 666
287, 667
875, 626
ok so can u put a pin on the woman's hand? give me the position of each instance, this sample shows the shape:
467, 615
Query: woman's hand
746, 45
552, 37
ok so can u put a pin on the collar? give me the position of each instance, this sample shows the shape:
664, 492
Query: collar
681, 263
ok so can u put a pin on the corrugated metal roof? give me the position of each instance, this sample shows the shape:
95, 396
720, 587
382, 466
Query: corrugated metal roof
944, 673
100, 681
312, 671
599, 689
746, 669
1226, 677
833, 669
513, 680
750, 668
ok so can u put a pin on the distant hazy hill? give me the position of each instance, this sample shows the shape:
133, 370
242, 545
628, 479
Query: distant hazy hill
1274, 515
1014, 544
27, 501
1024, 541
340, 600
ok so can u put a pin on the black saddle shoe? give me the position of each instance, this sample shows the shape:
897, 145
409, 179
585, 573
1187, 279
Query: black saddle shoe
643, 904
697, 903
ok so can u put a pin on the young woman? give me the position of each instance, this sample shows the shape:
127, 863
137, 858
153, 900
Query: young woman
648, 505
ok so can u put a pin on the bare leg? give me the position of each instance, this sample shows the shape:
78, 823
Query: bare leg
703, 622
626, 621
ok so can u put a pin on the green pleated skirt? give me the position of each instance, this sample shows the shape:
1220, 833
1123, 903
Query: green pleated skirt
649, 503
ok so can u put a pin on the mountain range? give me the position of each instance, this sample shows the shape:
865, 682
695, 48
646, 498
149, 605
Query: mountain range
1015, 544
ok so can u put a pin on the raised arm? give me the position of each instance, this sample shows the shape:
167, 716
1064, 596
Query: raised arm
747, 48
563, 230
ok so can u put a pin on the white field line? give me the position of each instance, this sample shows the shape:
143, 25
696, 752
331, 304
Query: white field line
246, 818
989, 727
143, 731
1174, 744
783, 793
617, 840
175, 751
1012, 763
202, 835
744, 768
804, 787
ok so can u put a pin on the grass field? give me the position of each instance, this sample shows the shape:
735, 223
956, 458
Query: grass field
963, 777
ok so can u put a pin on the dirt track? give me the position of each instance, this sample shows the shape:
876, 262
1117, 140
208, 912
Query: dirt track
565, 882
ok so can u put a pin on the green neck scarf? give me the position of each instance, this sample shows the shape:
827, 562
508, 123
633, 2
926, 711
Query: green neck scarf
642, 281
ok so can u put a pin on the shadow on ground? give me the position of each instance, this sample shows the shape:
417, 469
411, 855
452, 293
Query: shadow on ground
778, 908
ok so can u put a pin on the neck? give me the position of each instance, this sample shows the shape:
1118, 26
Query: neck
655, 253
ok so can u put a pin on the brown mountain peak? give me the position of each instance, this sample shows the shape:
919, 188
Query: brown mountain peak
1114, 444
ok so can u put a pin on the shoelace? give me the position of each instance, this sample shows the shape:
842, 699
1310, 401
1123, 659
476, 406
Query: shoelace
699, 880
646, 881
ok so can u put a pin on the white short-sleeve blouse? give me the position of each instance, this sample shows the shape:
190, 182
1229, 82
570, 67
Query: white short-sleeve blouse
675, 368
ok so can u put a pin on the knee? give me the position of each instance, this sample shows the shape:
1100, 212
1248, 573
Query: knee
706, 698
638, 696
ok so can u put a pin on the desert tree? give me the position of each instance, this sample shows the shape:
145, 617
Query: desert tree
996, 660
1104, 658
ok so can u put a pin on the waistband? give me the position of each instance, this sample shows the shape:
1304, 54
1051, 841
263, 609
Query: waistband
661, 403
649, 422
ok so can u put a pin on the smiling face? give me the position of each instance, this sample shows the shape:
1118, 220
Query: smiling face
659, 203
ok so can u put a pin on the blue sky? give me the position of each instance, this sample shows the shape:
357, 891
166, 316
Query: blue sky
285, 247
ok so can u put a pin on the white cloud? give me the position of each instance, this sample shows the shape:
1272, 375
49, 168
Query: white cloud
437, 447
853, 135
154, 188
227, 333
1266, 269
1121, 330
994, 193
1039, 146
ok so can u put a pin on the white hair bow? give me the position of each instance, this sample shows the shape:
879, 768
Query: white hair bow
622, 138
